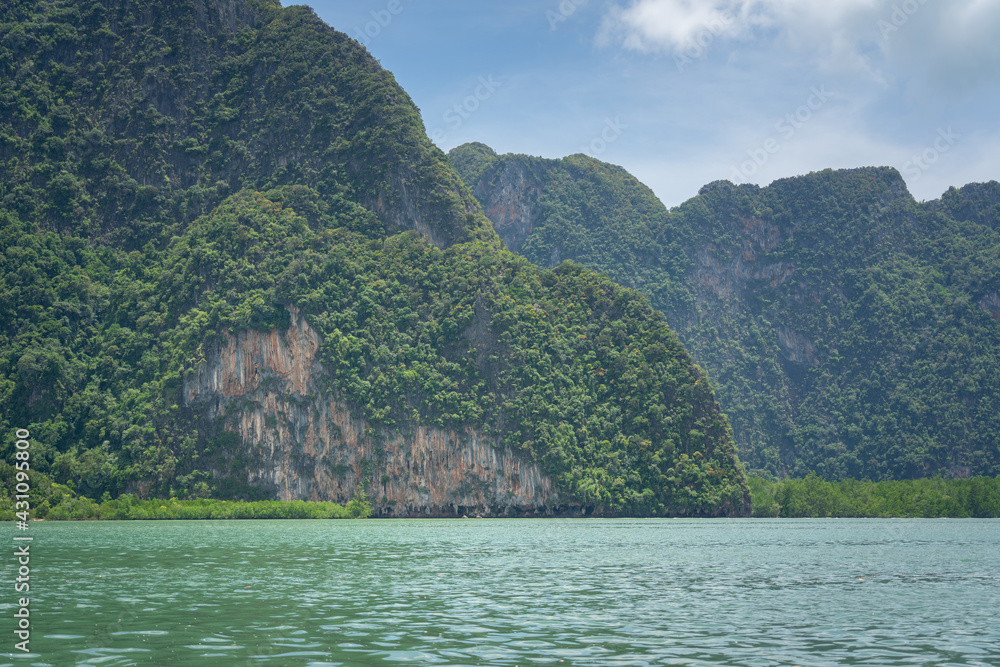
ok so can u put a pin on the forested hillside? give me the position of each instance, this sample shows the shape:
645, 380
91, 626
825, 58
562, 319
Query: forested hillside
851, 330
180, 179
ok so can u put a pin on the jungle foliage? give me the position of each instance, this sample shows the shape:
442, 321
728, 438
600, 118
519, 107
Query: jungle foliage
930, 498
173, 173
851, 331
52, 501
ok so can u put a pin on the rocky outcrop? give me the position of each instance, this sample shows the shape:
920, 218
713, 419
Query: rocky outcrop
796, 348
991, 304
306, 444
509, 194
725, 275
402, 205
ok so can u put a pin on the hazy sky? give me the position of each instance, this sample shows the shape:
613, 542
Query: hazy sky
685, 92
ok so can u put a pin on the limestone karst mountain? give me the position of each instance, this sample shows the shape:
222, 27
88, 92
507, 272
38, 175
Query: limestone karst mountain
234, 265
852, 331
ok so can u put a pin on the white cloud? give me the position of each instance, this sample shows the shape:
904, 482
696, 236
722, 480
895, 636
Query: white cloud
947, 44
673, 25
668, 24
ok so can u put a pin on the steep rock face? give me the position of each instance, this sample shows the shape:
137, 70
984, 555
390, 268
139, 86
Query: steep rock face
801, 299
221, 95
509, 194
306, 444
401, 204
991, 304
727, 276
269, 159
796, 348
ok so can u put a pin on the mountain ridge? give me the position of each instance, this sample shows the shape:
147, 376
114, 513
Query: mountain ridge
205, 144
781, 293
235, 266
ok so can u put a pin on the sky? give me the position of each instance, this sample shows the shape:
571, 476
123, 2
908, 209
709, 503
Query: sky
682, 93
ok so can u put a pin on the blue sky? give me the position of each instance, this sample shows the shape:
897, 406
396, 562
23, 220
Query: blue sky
685, 92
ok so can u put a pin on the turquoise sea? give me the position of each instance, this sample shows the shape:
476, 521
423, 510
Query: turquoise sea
511, 592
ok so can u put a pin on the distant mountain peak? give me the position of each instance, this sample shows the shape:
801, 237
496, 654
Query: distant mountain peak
840, 317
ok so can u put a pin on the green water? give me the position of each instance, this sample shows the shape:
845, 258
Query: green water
512, 592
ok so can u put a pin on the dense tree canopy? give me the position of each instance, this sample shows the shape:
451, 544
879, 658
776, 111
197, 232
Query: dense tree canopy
852, 331
173, 173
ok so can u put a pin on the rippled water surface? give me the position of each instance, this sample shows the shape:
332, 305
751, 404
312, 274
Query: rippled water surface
513, 592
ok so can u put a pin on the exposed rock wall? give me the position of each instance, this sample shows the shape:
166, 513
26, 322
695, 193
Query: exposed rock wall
725, 275
268, 387
795, 347
399, 208
509, 194
991, 304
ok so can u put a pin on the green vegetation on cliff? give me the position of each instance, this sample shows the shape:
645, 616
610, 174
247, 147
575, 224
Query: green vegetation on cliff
572, 369
170, 174
124, 121
851, 331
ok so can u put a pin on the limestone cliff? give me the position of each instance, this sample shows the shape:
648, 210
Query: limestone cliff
218, 159
991, 304
725, 274
821, 305
306, 444
509, 197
